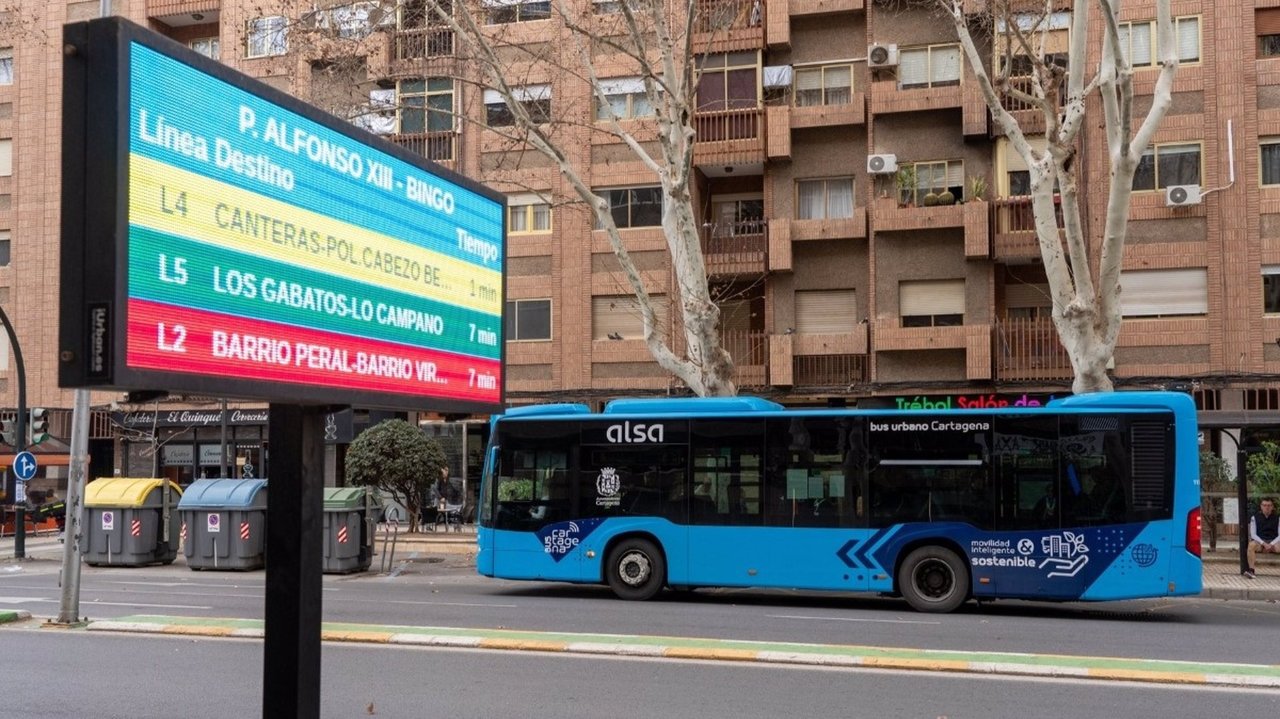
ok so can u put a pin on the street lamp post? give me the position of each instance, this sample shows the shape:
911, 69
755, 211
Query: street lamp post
19, 437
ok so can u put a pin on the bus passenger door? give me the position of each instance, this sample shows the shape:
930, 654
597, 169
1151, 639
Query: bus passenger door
726, 506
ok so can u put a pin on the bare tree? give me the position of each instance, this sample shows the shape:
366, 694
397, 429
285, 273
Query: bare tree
1086, 307
646, 39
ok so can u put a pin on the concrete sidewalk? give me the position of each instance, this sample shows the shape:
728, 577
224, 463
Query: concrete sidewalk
1222, 579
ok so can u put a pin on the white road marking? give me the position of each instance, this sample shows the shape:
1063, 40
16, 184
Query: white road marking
29, 600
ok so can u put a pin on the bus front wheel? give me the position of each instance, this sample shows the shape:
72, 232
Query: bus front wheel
933, 579
636, 569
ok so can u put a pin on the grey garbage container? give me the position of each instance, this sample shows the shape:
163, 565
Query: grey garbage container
125, 519
224, 523
350, 515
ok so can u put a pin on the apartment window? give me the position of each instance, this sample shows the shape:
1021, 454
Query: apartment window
528, 320
611, 7
931, 303
6, 66
1269, 150
932, 66
826, 199
6, 158
1267, 25
1164, 293
528, 214
535, 99
1138, 41
267, 36
5, 249
728, 82
207, 46
737, 216
827, 85
1166, 165
1026, 300
635, 206
1055, 29
507, 11
1270, 289
425, 105
826, 312
617, 317
624, 98
934, 178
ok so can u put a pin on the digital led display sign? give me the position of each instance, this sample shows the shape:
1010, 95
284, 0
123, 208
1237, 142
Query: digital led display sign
222, 237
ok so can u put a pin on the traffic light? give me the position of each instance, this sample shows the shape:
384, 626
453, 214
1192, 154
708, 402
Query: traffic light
9, 430
37, 426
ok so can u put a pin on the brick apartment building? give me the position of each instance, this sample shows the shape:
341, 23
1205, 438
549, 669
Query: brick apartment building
842, 280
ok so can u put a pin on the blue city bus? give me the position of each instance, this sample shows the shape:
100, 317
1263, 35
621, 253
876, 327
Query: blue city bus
1095, 497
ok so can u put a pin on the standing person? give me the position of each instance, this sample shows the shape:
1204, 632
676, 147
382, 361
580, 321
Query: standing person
1264, 534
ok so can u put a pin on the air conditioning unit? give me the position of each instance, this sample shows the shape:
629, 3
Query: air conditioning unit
882, 164
879, 56
1181, 195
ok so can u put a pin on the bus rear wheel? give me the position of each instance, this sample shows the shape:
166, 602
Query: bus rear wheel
933, 579
636, 570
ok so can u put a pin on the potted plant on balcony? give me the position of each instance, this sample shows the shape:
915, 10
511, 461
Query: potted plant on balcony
977, 190
906, 182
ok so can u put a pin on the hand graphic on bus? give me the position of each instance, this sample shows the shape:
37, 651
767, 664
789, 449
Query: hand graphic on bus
1067, 554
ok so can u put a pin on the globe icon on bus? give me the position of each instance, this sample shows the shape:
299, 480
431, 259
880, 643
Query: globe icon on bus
1144, 555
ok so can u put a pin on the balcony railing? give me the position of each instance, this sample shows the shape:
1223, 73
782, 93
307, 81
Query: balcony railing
1029, 349
424, 42
718, 16
729, 136
750, 352
1013, 223
828, 370
438, 146
736, 248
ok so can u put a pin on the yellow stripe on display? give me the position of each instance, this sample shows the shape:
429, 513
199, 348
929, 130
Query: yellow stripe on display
169, 199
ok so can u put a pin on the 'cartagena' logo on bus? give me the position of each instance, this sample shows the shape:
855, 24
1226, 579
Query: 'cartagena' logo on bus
627, 433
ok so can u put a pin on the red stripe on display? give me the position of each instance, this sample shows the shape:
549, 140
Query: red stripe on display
269, 351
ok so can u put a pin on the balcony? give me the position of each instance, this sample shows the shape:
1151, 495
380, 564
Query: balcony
828, 360
973, 217
1013, 230
853, 112
1029, 349
426, 42
887, 97
740, 248
1028, 115
729, 137
800, 8
975, 340
166, 8
728, 25
750, 352
779, 14
440, 147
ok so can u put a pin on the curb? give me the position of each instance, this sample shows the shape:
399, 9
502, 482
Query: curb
9, 615
1038, 665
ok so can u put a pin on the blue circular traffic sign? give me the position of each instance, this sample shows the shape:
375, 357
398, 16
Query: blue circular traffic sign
24, 466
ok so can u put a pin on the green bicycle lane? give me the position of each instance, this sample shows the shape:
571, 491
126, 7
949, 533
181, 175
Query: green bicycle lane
710, 649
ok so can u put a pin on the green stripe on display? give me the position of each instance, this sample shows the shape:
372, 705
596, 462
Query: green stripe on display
213, 278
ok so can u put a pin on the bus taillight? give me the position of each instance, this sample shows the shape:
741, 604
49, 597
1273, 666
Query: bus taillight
1193, 531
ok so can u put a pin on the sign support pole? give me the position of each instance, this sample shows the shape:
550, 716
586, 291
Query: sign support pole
291, 645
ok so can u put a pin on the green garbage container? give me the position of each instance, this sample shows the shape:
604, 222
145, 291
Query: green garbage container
350, 516
224, 523
125, 522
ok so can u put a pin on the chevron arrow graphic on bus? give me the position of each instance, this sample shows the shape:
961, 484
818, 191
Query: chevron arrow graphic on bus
859, 559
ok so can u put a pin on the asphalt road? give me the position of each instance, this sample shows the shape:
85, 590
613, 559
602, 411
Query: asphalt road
445, 591
56, 674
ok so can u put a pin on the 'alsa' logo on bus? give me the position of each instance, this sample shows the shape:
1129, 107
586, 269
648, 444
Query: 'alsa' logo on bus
627, 433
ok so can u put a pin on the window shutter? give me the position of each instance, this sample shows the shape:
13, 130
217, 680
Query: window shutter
492, 97
824, 312
621, 85
1141, 44
1150, 293
1266, 21
944, 66
809, 79
6, 158
735, 316
955, 173
913, 67
1188, 32
1013, 159
931, 297
620, 315
1027, 295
